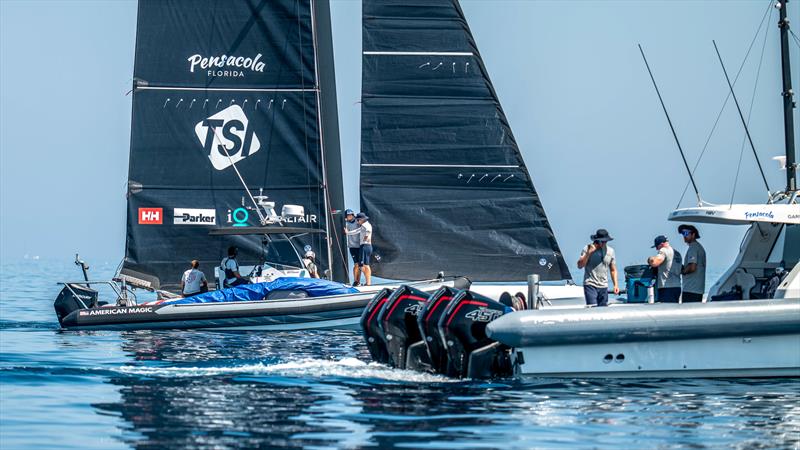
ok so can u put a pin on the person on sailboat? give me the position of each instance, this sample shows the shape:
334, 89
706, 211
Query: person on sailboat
597, 259
668, 261
364, 231
308, 263
694, 267
353, 243
230, 266
193, 281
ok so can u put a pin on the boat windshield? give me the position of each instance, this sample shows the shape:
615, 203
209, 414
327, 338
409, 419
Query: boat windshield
281, 253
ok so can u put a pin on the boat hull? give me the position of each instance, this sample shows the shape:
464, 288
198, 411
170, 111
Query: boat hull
760, 356
718, 339
328, 312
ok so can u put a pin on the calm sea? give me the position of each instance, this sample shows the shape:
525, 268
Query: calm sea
318, 390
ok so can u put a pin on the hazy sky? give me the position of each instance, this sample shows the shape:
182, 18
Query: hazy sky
568, 74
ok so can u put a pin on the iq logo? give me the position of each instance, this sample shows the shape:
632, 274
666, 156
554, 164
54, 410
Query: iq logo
227, 137
238, 217
151, 216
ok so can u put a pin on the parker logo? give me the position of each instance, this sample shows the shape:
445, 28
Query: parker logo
151, 216
188, 216
227, 137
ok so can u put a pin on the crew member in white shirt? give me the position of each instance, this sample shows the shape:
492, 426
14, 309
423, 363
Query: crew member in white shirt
193, 281
364, 232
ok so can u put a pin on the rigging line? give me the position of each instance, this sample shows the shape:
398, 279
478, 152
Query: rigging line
261, 217
767, 12
741, 116
675, 135
796, 39
749, 113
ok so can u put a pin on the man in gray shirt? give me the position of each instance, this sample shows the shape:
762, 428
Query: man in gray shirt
353, 243
694, 267
668, 262
596, 260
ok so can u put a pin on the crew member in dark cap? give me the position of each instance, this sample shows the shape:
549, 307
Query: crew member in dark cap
694, 267
596, 260
364, 231
668, 262
230, 267
353, 243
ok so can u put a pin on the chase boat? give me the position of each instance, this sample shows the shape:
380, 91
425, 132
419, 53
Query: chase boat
748, 325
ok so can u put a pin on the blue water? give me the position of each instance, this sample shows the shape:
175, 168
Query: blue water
318, 390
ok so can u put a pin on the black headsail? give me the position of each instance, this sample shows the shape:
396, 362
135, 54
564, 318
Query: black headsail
241, 74
442, 177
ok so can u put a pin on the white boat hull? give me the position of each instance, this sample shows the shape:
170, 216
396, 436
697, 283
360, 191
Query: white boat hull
756, 338
761, 356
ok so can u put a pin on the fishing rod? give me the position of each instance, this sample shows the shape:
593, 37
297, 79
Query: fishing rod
675, 135
741, 116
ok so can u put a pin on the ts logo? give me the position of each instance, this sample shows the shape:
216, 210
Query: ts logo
226, 137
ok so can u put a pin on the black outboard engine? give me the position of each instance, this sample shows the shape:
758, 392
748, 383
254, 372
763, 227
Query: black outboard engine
398, 318
428, 323
471, 353
371, 327
74, 297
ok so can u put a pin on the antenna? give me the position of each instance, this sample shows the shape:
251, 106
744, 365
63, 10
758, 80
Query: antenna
680, 149
741, 116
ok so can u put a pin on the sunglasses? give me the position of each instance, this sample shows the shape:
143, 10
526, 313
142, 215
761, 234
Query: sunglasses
685, 233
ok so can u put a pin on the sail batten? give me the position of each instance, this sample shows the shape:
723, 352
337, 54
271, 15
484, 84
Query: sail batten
442, 177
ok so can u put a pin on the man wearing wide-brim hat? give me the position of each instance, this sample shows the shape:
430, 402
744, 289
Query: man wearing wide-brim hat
596, 260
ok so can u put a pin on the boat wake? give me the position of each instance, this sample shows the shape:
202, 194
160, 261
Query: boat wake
345, 368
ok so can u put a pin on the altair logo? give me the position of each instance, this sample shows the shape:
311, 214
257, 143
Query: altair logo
227, 137
226, 65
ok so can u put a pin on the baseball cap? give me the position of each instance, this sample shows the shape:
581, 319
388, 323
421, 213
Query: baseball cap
660, 239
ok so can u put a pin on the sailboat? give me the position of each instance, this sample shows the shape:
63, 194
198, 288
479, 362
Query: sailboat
234, 142
442, 176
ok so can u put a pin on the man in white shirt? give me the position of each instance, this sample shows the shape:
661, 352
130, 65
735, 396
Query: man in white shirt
230, 267
364, 232
193, 281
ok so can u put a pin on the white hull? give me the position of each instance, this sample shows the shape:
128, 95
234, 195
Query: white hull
763, 356
756, 338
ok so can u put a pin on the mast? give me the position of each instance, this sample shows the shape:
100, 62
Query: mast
325, 194
788, 102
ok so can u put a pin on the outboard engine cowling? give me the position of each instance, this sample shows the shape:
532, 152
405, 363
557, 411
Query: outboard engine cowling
471, 353
428, 323
72, 298
398, 318
371, 327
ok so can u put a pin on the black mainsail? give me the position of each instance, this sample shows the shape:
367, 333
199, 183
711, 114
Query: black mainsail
442, 177
222, 87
